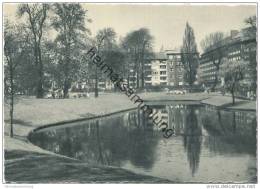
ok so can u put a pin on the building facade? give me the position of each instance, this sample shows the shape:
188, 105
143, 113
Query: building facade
164, 69
238, 45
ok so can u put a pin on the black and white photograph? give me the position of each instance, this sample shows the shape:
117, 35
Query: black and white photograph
129, 93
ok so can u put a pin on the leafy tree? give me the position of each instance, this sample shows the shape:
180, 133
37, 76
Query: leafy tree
215, 41
189, 55
69, 22
233, 73
251, 33
138, 46
14, 51
105, 41
36, 16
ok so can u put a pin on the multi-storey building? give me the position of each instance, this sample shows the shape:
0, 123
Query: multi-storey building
156, 70
165, 68
239, 45
174, 68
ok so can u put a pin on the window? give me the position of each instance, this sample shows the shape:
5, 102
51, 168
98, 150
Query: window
162, 72
163, 78
162, 66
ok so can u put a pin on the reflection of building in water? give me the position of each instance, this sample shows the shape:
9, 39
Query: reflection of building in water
174, 115
177, 114
160, 115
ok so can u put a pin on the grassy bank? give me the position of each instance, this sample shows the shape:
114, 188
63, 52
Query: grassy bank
32, 167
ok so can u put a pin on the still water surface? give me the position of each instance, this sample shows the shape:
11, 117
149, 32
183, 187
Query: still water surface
209, 145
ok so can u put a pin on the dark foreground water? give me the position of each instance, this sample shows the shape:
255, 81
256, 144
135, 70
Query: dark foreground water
210, 145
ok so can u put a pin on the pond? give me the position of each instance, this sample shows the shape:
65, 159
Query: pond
209, 145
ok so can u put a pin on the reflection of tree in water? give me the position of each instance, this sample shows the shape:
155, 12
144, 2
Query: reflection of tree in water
192, 139
106, 141
230, 132
142, 148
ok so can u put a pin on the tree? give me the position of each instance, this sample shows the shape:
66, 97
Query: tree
215, 41
233, 72
105, 41
69, 22
14, 51
189, 55
251, 22
36, 14
145, 40
138, 46
251, 33
116, 60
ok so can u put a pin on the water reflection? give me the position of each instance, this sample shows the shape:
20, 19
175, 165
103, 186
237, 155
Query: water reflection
132, 141
192, 139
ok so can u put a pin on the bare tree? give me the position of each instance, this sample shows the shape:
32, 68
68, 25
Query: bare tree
36, 14
233, 72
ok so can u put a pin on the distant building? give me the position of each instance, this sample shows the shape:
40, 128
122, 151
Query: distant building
156, 71
239, 45
174, 68
164, 69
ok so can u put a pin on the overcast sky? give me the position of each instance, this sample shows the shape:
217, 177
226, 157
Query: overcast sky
166, 22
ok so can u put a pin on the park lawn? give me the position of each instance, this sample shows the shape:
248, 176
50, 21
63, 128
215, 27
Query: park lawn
32, 167
226, 101
31, 112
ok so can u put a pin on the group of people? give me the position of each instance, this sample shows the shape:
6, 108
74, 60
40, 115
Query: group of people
59, 94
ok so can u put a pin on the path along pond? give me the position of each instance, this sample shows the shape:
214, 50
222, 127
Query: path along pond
209, 145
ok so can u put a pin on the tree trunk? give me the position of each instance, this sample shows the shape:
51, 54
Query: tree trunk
66, 85
137, 79
233, 97
142, 76
38, 57
39, 90
11, 101
66, 88
128, 83
215, 78
96, 82
142, 66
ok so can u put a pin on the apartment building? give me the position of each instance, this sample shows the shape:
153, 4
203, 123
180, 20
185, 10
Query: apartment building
238, 45
164, 69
